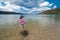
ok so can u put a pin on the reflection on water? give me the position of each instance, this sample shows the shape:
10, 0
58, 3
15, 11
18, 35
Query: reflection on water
44, 27
42, 19
8, 19
49, 20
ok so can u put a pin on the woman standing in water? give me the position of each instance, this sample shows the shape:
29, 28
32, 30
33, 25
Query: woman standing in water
22, 22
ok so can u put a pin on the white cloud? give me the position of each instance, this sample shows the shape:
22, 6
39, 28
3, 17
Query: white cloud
54, 7
12, 7
28, 3
51, 4
9, 0
44, 4
9, 7
39, 9
41, 1
25, 8
42, 7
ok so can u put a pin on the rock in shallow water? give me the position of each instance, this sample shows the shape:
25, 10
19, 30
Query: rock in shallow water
24, 33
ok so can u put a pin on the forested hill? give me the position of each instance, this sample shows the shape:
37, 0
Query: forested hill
4, 12
54, 11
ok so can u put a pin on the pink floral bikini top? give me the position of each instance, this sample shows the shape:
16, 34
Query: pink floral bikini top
22, 21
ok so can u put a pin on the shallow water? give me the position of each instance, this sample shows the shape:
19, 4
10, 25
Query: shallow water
40, 27
43, 19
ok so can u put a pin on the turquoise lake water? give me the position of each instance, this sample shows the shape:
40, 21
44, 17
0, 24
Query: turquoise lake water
42, 19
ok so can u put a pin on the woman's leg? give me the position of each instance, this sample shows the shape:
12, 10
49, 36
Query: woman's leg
22, 26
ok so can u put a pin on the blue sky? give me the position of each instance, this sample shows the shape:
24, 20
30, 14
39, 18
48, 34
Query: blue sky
28, 6
56, 2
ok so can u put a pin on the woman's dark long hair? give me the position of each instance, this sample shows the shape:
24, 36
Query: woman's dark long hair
21, 17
